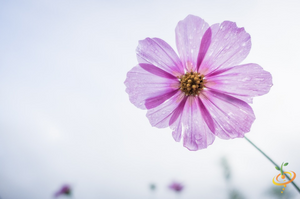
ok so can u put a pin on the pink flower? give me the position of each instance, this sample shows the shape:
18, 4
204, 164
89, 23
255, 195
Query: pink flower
204, 93
64, 190
176, 186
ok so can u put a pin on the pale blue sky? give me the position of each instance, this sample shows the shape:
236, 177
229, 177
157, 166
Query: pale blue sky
65, 115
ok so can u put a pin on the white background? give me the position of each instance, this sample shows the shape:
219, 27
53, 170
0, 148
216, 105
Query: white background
65, 116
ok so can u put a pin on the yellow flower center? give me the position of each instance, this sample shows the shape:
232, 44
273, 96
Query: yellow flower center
191, 83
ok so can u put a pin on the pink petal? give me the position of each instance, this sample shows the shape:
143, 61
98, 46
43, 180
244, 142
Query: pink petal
175, 121
205, 43
160, 116
197, 135
206, 116
178, 111
156, 71
142, 85
177, 129
243, 82
229, 46
189, 33
233, 117
160, 54
158, 100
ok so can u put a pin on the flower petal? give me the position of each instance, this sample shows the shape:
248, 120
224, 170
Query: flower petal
158, 100
160, 116
156, 71
243, 82
175, 121
160, 54
144, 85
206, 116
233, 117
189, 33
197, 135
229, 46
176, 127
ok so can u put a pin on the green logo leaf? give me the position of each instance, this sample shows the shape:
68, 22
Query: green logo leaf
286, 164
277, 168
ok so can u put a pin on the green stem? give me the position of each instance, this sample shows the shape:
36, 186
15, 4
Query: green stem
272, 162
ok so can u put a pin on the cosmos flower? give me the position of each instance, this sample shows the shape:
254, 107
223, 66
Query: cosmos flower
64, 190
177, 187
203, 92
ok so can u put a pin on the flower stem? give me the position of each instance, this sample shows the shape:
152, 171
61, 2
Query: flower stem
272, 162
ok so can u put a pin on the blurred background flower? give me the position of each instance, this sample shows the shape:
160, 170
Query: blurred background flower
176, 186
65, 190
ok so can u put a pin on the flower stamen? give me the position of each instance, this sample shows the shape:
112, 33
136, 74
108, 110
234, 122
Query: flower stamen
191, 83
